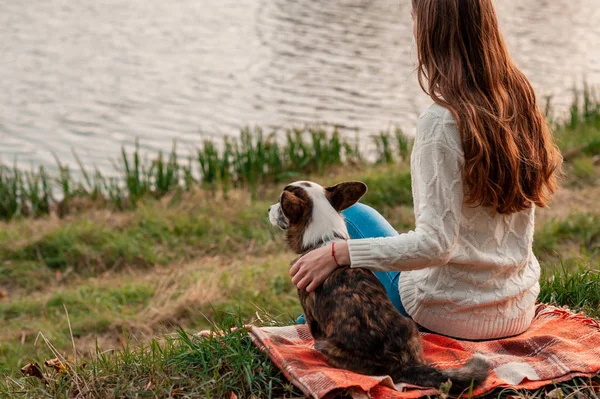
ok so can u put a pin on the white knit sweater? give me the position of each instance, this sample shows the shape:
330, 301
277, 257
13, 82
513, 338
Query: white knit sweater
467, 272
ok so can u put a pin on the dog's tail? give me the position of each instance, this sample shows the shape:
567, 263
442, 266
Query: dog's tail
471, 374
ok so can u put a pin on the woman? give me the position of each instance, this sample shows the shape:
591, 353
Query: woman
483, 159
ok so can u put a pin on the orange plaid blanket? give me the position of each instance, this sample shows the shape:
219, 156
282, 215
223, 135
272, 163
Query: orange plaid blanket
559, 346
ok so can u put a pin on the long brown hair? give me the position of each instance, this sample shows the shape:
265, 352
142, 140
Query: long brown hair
511, 161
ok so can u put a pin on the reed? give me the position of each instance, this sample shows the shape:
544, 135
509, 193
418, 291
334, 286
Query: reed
383, 148
404, 144
10, 194
164, 175
135, 174
250, 161
95, 184
585, 108
64, 179
209, 161
37, 193
390, 147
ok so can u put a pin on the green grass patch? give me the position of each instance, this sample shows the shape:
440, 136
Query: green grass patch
184, 365
582, 129
389, 189
578, 289
142, 304
157, 233
153, 234
180, 365
25, 276
582, 172
93, 309
89, 300
88, 245
577, 236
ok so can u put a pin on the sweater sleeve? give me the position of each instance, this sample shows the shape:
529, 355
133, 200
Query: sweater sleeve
436, 169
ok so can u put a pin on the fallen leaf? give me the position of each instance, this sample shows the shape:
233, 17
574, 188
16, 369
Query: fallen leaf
33, 370
56, 364
3, 295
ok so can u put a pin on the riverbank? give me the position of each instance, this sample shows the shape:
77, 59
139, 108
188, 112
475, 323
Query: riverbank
118, 294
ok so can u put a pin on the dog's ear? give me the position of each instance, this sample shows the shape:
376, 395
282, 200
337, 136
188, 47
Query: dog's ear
344, 195
292, 206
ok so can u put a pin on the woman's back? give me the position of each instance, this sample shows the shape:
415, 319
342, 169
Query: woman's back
488, 285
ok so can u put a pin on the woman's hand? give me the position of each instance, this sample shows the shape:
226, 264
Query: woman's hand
311, 270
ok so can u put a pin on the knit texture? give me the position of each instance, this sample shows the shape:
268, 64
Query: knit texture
467, 272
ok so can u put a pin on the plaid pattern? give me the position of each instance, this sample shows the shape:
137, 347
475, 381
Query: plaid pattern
559, 346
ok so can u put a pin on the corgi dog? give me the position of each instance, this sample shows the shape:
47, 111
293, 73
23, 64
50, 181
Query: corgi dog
352, 320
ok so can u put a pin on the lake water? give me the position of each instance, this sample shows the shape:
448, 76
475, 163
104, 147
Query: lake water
96, 74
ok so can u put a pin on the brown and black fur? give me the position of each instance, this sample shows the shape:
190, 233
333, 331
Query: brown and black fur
352, 320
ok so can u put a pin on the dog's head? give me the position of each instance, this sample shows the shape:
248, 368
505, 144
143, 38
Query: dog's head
310, 214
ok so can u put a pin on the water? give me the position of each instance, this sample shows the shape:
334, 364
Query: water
93, 75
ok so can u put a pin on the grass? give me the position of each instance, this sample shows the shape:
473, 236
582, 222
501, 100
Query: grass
390, 148
583, 170
125, 307
180, 365
157, 233
143, 302
146, 237
580, 133
575, 238
578, 289
183, 365
175, 245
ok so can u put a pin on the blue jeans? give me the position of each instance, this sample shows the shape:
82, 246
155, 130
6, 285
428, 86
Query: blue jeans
363, 221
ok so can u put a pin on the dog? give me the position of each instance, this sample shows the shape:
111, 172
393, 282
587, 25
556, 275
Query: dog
352, 320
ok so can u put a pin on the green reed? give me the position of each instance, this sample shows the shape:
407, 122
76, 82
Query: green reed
10, 192
388, 148
248, 158
404, 144
383, 148
165, 174
37, 191
24, 193
585, 108
136, 174
209, 161
579, 134
188, 174
247, 162
250, 161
